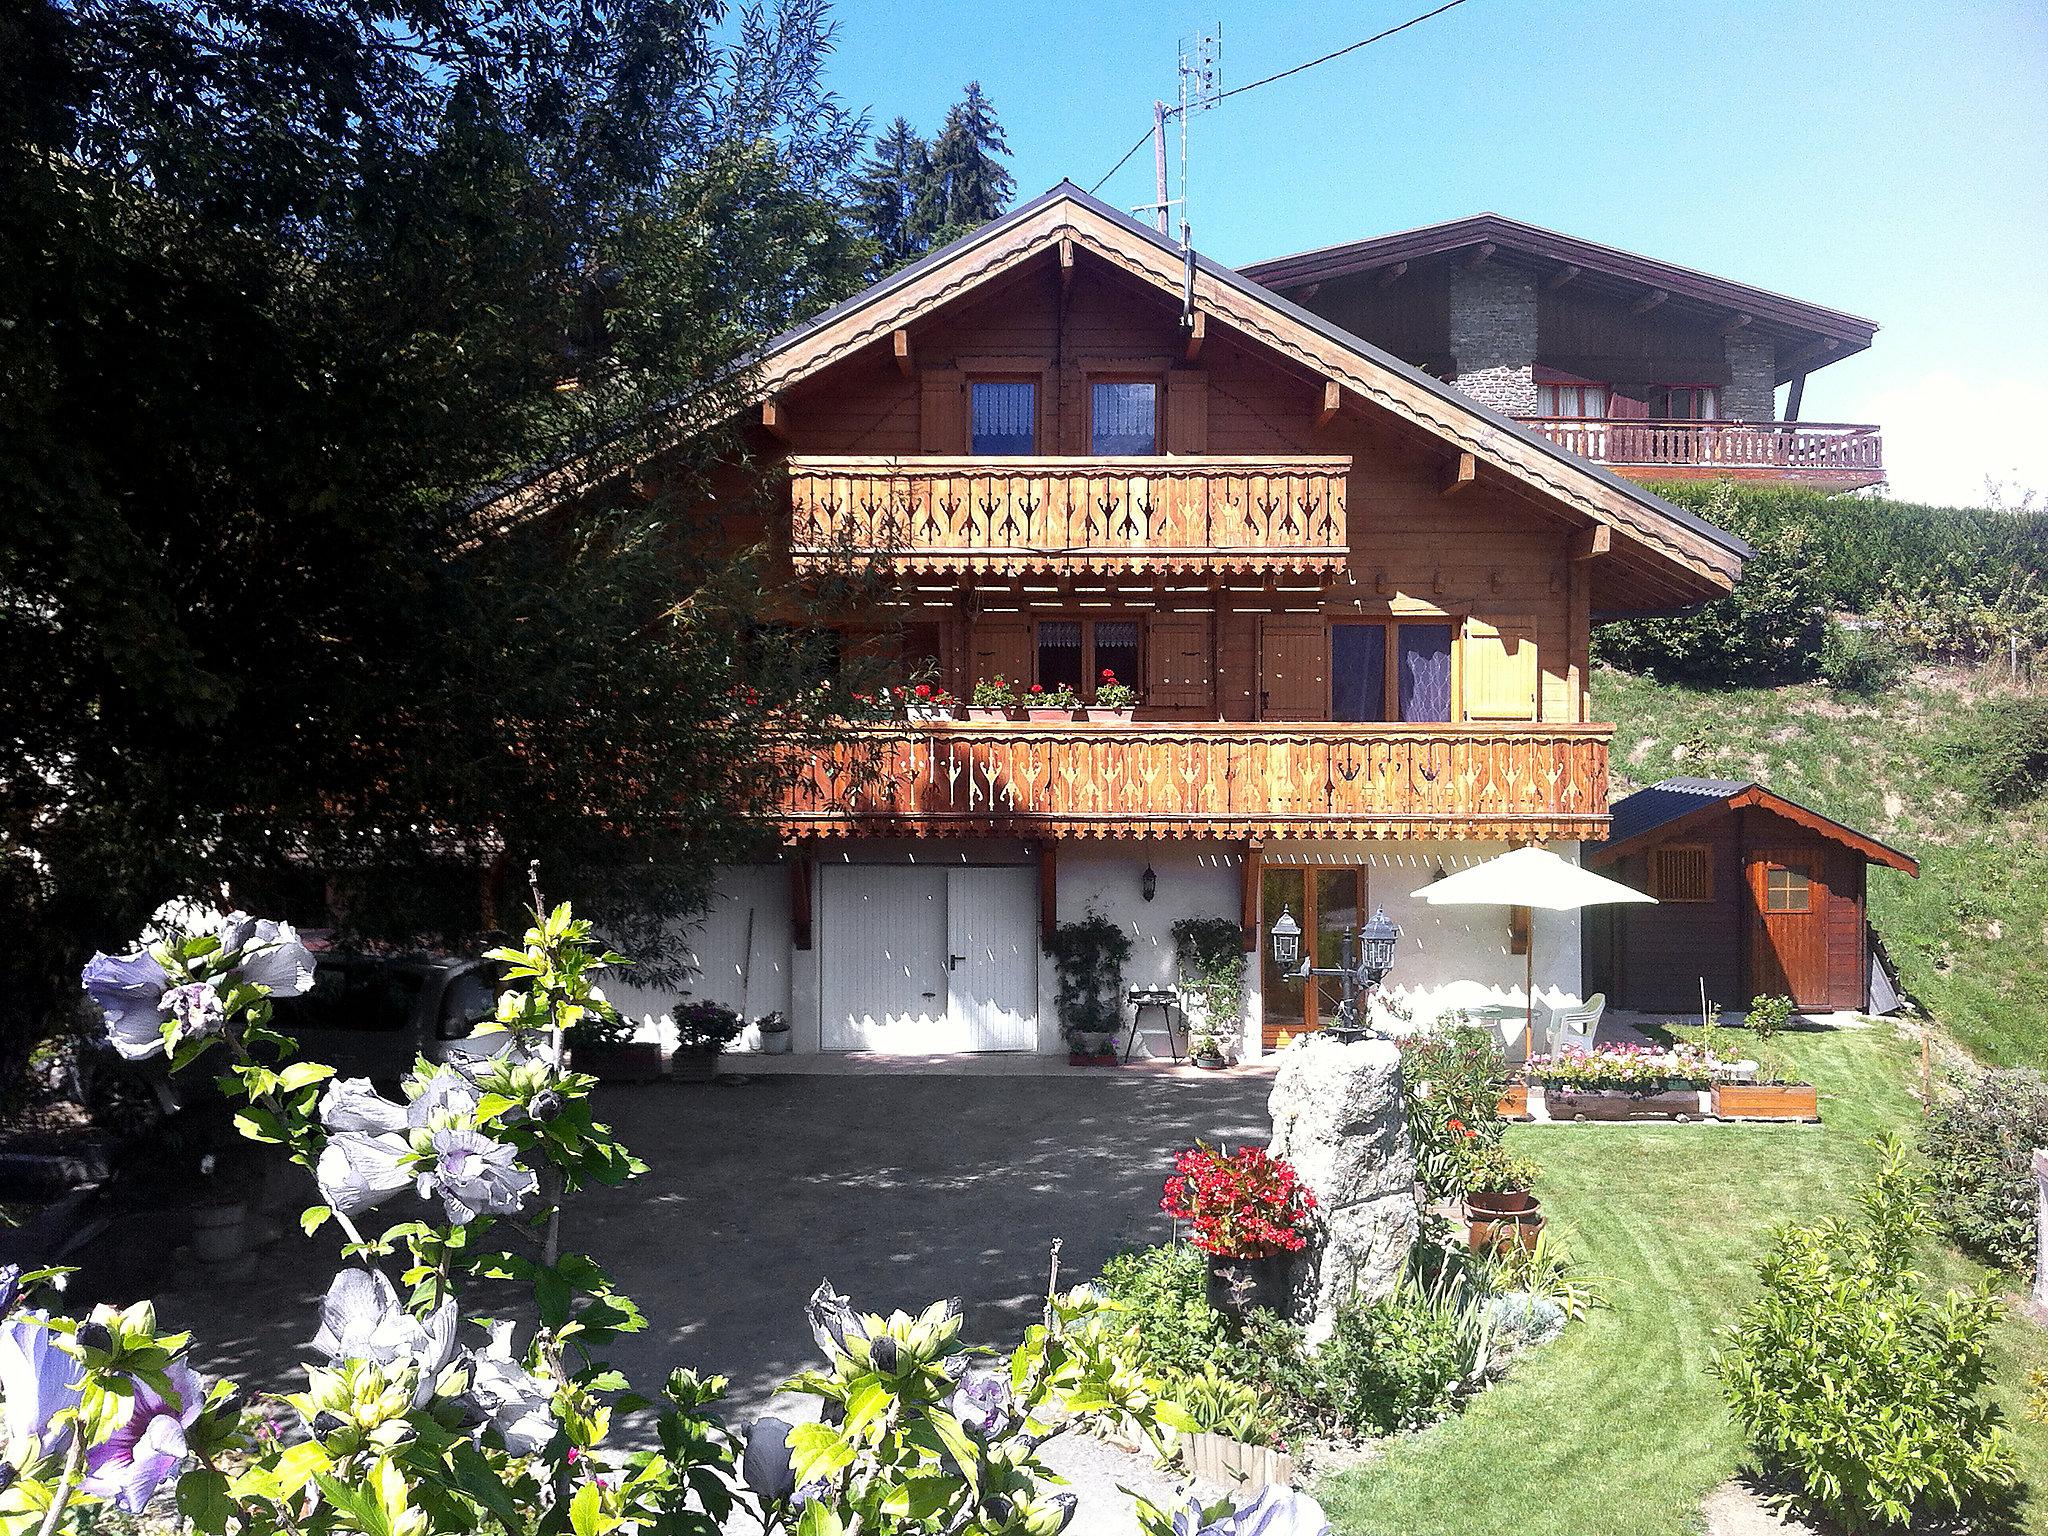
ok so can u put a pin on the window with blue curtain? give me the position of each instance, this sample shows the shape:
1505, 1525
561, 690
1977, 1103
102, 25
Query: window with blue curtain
1126, 418
1425, 671
1358, 672
1005, 416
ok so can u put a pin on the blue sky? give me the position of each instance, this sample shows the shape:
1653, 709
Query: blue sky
1882, 158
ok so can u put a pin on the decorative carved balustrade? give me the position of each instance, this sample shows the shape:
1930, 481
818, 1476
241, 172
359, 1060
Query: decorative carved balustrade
1235, 780
1012, 515
1819, 453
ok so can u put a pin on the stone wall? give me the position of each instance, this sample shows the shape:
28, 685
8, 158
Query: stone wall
1493, 336
1752, 392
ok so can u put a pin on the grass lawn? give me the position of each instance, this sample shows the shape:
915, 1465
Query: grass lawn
1970, 936
1617, 1427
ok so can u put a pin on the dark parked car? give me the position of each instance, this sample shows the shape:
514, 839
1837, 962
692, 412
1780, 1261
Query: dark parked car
373, 1015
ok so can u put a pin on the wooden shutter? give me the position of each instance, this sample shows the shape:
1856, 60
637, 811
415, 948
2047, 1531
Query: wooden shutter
1002, 647
1187, 411
942, 411
1292, 663
1179, 665
1500, 670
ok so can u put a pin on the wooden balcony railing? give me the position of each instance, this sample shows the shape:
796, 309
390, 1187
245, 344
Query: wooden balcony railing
1816, 452
1013, 515
1235, 780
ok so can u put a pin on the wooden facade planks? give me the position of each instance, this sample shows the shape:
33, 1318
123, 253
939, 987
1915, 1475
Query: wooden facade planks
1014, 516
1213, 780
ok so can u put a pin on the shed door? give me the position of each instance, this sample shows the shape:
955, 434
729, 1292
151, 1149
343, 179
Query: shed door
992, 949
1788, 925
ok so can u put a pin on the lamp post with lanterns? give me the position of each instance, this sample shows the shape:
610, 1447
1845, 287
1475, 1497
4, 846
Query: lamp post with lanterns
1363, 961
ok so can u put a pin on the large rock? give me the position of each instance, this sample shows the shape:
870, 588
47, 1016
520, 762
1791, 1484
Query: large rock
1338, 1118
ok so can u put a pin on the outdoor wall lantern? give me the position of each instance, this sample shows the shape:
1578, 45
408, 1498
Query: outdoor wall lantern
1367, 956
1286, 939
1148, 883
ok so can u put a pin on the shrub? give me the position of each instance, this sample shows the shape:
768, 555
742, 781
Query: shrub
2001, 750
707, 1026
1979, 1145
1164, 1291
1402, 1362
1089, 958
1451, 1083
1864, 662
1245, 1204
1216, 1404
1854, 1382
1211, 957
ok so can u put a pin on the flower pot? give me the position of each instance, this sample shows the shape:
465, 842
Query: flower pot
927, 714
1766, 1101
1218, 1461
1209, 1060
1042, 715
1239, 1287
217, 1231
1619, 1104
1503, 1219
637, 1061
1101, 716
776, 1042
1514, 1102
694, 1065
1079, 1058
985, 714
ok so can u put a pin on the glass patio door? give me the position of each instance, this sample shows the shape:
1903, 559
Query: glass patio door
1328, 903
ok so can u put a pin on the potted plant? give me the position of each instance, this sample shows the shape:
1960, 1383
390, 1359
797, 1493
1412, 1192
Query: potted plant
1616, 1082
994, 698
1247, 1210
703, 1029
1210, 955
1115, 702
1768, 1096
1499, 1205
1451, 1084
603, 1043
775, 1034
1055, 703
1088, 957
926, 702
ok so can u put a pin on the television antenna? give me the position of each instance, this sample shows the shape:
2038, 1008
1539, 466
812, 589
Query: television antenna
1200, 71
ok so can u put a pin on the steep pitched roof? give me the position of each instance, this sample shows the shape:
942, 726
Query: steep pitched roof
1829, 335
1673, 548
1660, 812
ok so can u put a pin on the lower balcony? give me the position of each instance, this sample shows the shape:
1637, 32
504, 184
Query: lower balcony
1804, 453
1322, 780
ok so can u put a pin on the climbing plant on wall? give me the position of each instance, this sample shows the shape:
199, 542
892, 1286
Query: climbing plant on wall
1089, 956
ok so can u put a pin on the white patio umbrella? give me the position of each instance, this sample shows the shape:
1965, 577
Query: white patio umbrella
1529, 877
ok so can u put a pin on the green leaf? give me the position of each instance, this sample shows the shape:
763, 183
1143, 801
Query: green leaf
203, 1499
586, 1512
259, 1125
313, 1218
300, 1073
961, 1446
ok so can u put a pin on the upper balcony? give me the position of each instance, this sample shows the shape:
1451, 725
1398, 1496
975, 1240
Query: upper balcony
1836, 456
1112, 516
1236, 780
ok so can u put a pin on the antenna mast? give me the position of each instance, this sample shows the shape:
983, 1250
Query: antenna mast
1200, 70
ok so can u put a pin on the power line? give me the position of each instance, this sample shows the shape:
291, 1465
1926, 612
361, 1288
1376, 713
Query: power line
1253, 85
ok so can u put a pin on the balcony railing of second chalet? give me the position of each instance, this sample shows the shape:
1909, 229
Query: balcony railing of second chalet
1311, 779
1777, 449
1007, 516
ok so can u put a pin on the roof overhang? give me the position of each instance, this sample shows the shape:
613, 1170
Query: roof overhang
1817, 335
1679, 828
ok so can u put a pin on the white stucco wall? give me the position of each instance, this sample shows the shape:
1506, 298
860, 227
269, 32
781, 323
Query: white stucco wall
740, 948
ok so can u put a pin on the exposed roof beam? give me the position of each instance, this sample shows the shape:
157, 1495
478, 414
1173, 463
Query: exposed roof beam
1649, 301
1480, 253
1463, 474
1736, 322
1806, 356
775, 417
1563, 275
899, 344
1391, 275
1066, 262
1197, 331
1597, 540
1333, 396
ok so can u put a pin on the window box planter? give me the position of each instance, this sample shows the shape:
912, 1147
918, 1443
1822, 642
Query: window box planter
1495, 1219
1766, 1101
1514, 1102
694, 1064
1101, 716
1621, 1104
1221, 1462
987, 716
637, 1061
1239, 1287
928, 714
1044, 714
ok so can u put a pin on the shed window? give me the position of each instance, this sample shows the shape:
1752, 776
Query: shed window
1787, 889
1682, 874
1005, 416
1125, 418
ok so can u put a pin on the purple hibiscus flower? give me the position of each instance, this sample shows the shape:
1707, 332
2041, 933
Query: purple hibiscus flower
1272, 1511
38, 1381
270, 954
982, 1402
475, 1176
129, 990
196, 1007
361, 1318
509, 1398
370, 1156
127, 1469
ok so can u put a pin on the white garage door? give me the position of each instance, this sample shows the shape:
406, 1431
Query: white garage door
916, 960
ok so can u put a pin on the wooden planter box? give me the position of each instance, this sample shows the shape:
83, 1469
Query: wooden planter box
1766, 1101
638, 1061
1231, 1465
694, 1066
1514, 1102
1091, 1058
1609, 1104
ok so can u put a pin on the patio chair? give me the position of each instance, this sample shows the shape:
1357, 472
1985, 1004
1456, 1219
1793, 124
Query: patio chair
1573, 1029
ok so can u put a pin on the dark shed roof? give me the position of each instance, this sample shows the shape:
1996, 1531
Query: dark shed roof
1637, 816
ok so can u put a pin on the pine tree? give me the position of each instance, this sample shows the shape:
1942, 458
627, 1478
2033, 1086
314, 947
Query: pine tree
886, 193
968, 186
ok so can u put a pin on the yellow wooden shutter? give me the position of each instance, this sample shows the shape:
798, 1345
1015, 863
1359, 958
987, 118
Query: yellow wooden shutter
1291, 667
942, 411
1002, 648
1187, 411
1179, 666
1500, 670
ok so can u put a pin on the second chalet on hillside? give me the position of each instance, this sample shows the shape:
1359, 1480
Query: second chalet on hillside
1355, 601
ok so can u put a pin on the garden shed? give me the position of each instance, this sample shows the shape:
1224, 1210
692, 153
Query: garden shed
1756, 894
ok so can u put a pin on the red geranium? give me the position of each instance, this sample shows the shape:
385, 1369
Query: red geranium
1245, 1204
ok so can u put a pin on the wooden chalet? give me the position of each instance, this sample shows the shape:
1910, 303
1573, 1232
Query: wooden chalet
1658, 371
1756, 895
1355, 603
